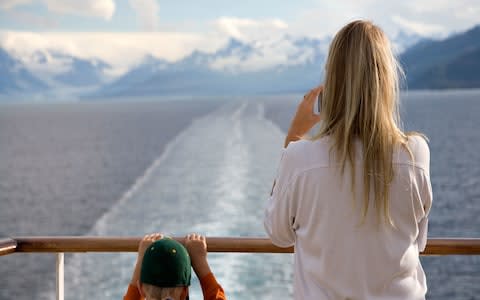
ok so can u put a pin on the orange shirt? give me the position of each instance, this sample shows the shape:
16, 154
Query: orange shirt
211, 290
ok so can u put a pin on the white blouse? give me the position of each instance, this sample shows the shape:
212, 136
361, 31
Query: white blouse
336, 255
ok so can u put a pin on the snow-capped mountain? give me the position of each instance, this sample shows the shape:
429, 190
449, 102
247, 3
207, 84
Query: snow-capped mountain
404, 40
15, 77
282, 65
449, 63
50, 74
84, 73
268, 65
60, 69
144, 71
286, 64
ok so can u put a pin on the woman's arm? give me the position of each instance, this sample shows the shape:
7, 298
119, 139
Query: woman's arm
281, 209
304, 118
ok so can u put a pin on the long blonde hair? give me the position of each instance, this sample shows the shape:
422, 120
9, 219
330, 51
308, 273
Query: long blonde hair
360, 101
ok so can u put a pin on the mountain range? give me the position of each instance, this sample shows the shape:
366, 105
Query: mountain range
240, 68
15, 77
82, 72
450, 63
232, 71
226, 71
37, 76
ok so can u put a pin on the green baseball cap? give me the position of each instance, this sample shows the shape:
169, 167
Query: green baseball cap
166, 263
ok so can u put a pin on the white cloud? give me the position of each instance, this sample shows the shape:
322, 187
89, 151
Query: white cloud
265, 36
121, 50
96, 8
147, 13
420, 28
250, 29
9, 4
433, 6
265, 54
269, 41
327, 17
124, 50
420, 16
33, 20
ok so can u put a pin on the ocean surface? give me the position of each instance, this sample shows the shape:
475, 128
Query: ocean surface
198, 166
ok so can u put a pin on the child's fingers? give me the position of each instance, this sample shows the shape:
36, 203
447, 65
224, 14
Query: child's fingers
153, 237
188, 238
157, 237
195, 237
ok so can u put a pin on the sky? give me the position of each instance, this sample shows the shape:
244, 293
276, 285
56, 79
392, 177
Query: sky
123, 32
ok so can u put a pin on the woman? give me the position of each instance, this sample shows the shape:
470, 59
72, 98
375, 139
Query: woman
354, 199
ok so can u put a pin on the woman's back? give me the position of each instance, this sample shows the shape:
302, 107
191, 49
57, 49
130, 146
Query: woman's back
339, 254
354, 200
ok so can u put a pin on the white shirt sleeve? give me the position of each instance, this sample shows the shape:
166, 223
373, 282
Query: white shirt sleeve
280, 212
426, 194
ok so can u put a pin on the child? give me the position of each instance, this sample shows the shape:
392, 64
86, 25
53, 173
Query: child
163, 269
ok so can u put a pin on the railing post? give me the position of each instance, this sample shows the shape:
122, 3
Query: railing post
60, 275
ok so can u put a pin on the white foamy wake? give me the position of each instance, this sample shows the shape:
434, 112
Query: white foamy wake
214, 179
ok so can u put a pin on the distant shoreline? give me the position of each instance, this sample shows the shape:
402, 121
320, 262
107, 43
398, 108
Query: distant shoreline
14, 99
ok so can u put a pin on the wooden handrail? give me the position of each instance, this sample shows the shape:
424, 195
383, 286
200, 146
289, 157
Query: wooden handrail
7, 246
435, 246
130, 244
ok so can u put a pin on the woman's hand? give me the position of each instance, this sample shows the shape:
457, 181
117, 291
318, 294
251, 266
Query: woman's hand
304, 118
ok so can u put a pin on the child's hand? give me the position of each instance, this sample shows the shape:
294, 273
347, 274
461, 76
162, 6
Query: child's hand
147, 241
197, 249
196, 246
142, 247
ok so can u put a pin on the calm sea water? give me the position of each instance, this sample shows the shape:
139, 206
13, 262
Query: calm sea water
213, 177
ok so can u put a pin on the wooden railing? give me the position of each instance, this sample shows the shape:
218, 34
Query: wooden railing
61, 244
435, 246
7, 246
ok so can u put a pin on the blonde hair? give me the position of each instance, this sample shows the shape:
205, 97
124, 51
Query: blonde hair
160, 293
360, 101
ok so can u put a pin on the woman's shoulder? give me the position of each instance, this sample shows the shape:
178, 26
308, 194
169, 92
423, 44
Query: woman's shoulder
303, 145
418, 145
418, 140
418, 152
307, 152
